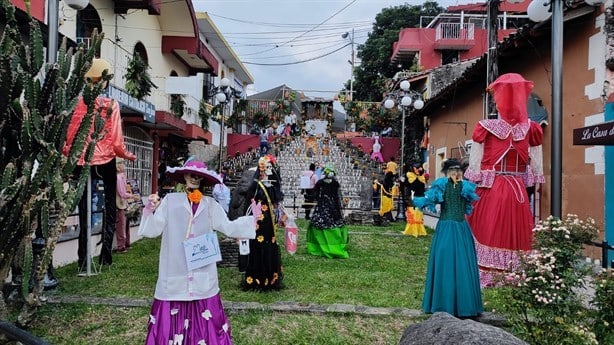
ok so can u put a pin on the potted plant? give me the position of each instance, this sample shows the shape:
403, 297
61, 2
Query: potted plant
205, 114
138, 81
177, 105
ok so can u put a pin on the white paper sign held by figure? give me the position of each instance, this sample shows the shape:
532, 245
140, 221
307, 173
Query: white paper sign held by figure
202, 250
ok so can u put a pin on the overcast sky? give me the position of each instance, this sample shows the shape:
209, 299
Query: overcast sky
298, 42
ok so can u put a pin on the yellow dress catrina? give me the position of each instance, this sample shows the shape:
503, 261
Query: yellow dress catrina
415, 217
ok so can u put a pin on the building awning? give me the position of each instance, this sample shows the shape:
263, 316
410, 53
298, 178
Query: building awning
166, 120
166, 123
409, 43
192, 52
195, 132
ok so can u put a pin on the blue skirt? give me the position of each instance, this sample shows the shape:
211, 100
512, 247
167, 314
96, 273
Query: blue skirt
452, 278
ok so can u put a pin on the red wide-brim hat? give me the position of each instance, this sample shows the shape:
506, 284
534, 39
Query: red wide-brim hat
199, 168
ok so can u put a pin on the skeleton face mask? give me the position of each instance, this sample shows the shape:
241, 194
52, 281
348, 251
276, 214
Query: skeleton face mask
265, 166
192, 181
455, 174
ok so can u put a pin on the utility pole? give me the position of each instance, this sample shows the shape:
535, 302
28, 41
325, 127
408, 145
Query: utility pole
492, 68
352, 72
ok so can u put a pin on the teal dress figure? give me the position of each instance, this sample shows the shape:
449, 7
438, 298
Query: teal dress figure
452, 278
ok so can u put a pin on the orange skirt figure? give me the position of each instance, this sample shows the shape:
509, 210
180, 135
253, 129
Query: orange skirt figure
415, 223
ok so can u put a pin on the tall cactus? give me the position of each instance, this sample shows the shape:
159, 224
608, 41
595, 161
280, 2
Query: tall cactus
37, 186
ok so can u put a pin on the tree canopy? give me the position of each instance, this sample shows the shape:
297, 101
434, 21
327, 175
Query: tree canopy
375, 53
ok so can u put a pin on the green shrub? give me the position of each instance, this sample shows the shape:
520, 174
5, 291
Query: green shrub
603, 315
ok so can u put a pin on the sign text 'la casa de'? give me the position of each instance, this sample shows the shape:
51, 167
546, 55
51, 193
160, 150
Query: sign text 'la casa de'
599, 134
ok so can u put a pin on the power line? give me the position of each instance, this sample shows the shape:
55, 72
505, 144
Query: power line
283, 25
306, 32
308, 43
295, 62
323, 32
295, 54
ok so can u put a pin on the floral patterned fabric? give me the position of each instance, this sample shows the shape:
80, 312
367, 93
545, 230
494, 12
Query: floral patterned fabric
327, 213
264, 269
195, 322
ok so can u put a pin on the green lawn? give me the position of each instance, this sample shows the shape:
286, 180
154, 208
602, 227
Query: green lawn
384, 270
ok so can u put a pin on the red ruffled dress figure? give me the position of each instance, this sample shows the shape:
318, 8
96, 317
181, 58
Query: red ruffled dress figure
505, 159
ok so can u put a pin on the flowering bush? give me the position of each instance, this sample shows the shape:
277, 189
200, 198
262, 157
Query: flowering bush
603, 302
541, 302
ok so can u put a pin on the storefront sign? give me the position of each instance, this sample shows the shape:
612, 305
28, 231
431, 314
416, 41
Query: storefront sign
600, 134
125, 100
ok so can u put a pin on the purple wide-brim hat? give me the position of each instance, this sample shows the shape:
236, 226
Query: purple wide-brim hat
210, 177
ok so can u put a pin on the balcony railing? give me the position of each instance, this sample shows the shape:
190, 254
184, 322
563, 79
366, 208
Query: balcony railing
162, 100
455, 36
455, 31
85, 40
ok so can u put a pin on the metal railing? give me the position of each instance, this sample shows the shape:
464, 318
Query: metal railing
605, 247
14, 333
455, 31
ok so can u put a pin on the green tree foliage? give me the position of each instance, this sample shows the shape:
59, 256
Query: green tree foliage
37, 187
375, 66
261, 119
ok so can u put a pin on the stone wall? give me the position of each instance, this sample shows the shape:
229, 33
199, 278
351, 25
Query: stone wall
230, 252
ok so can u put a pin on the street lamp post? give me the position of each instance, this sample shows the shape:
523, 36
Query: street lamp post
223, 95
405, 98
352, 63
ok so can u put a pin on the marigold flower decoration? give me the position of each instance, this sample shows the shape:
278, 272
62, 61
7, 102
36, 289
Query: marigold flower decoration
195, 196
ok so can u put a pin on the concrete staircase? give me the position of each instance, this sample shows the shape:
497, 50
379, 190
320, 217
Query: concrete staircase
353, 170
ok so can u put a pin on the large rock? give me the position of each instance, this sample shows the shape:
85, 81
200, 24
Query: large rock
443, 328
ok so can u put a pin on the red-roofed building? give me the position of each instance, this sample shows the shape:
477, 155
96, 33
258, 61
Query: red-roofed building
459, 34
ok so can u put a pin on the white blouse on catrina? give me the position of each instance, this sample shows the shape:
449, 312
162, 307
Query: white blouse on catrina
172, 220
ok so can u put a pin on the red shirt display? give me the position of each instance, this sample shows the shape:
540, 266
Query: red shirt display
111, 145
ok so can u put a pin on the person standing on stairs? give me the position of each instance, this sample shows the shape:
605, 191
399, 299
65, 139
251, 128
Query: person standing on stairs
264, 142
308, 182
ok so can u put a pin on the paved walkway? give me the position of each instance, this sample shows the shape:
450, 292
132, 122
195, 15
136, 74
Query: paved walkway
276, 306
309, 308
